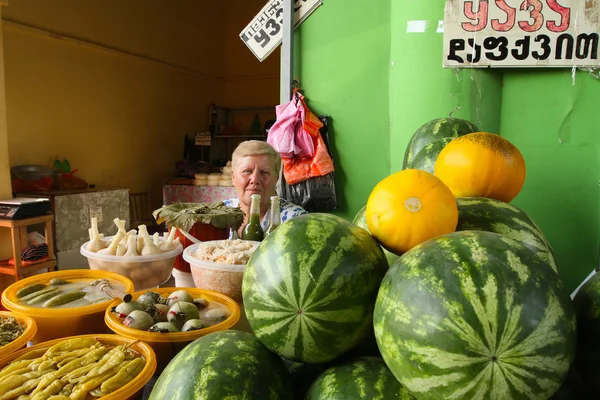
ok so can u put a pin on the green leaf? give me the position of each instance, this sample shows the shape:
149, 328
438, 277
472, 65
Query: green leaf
184, 215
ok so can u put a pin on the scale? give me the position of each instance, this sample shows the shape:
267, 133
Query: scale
22, 207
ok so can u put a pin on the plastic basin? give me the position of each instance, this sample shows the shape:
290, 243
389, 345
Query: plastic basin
202, 232
132, 390
222, 278
167, 345
63, 322
26, 336
145, 271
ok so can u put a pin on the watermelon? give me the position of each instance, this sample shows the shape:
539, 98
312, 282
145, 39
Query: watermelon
425, 159
475, 315
309, 288
587, 308
437, 129
224, 365
361, 220
365, 378
484, 214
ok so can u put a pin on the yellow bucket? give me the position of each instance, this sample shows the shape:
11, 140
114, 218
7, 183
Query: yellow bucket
63, 322
132, 390
167, 345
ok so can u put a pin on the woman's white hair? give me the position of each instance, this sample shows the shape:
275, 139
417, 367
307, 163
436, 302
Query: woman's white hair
256, 148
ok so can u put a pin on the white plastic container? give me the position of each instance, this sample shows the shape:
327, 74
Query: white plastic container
183, 279
146, 272
222, 278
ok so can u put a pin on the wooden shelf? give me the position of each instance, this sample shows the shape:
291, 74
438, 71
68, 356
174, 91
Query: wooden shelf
17, 223
18, 229
8, 269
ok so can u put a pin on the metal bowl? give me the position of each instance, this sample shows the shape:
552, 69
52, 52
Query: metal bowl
33, 172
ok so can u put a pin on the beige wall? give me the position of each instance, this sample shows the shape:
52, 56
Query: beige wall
114, 86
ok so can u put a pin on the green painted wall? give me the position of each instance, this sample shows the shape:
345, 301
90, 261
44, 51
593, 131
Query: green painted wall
380, 83
342, 58
421, 90
554, 124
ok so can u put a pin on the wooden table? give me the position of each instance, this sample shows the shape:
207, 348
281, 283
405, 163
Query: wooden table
16, 228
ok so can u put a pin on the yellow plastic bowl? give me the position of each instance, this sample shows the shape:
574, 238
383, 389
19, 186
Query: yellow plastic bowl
63, 322
131, 390
26, 336
167, 345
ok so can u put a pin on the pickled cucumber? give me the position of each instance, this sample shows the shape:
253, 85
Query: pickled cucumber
44, 296
38, 293
64, 298
34, 287
57, 282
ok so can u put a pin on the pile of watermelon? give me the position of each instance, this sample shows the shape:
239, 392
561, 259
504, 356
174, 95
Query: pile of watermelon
477, 313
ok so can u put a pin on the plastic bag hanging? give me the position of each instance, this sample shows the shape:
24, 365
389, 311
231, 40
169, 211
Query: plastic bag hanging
287, 135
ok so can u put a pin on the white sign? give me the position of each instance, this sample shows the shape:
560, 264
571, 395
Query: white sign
265, 32
202, 139
521, 33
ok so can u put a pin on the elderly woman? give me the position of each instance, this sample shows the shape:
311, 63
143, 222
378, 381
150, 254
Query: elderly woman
255, 170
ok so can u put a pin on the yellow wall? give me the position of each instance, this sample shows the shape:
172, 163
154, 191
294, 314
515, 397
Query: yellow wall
247, 81
5, 189
114, 86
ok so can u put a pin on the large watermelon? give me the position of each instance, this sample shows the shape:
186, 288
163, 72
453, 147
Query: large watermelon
365, 378
475, 315
309, 288
425, 159
361, 220
224, 365
587, 308
484, 214
437, 129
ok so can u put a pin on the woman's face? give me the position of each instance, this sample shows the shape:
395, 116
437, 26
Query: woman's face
254, 175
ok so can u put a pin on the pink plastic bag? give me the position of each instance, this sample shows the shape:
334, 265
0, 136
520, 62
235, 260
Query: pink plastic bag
287, 135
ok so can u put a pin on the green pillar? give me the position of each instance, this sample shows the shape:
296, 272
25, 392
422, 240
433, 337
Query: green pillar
421, 90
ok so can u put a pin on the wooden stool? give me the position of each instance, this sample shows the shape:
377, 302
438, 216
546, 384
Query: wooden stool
17, 227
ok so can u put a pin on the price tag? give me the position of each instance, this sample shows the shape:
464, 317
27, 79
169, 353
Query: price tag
521, 33
265, 32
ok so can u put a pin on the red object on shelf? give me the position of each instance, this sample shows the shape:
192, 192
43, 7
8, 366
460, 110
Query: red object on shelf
202, 232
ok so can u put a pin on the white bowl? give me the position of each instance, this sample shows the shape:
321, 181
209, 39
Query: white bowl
220, 277
146, 272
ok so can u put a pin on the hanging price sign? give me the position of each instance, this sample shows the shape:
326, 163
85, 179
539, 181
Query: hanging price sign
521, 33
265, 32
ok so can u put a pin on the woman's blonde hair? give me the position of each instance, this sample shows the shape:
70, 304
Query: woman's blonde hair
256, 148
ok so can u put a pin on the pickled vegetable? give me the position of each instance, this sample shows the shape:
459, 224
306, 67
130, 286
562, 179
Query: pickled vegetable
126, 308
139, 320
95, 370
192, 325
10, 329
35, 287
179, 295
64, 298
163, 327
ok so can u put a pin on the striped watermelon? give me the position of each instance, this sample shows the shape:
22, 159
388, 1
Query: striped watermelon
365, 378
484, 214
309, 288
437, 129
361, 220
475, 315
425, 159
587, 308
224, 365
